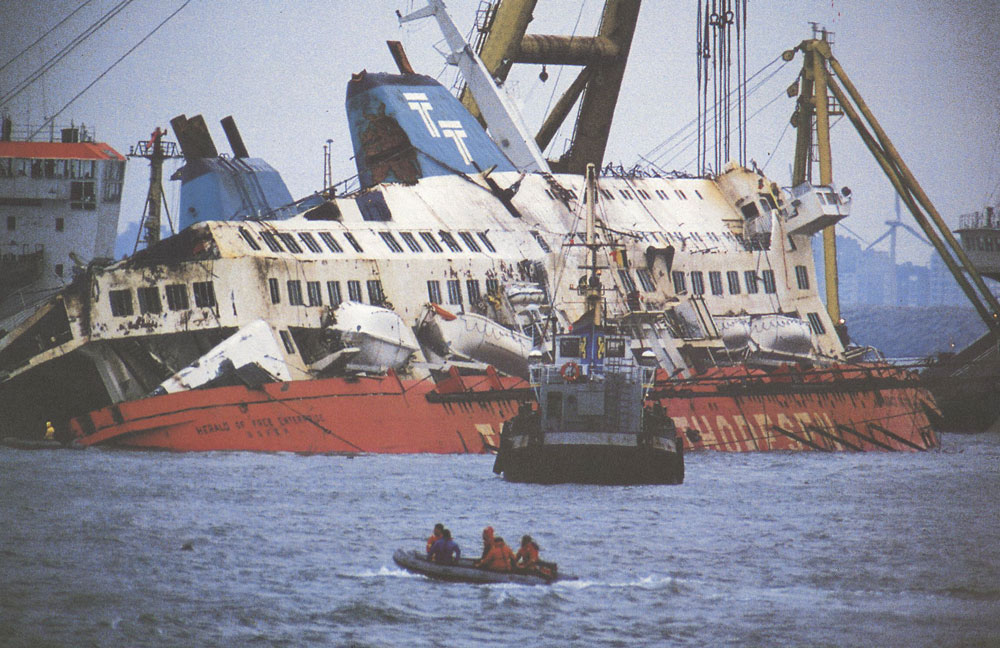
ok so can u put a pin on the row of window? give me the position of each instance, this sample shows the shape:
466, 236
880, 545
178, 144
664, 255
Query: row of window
23, 167
313, 295
148, 298
981, 241
295, 242
454, 288
750, 279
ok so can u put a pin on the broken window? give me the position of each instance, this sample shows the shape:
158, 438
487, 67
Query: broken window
177, 297
121, 302
149, 300
204, 294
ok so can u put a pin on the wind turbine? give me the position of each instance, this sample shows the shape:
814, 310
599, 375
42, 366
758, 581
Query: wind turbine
891, 233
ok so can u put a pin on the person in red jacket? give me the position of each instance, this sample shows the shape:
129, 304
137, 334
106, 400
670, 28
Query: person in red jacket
500, 558
527, 555
487, 542
438, 532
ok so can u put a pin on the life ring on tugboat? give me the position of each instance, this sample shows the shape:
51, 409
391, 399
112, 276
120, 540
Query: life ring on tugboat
570, 372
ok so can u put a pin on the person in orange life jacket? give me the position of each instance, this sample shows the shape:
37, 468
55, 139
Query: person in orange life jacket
500, 558
527, 556
444, 551
487, 542
438, 528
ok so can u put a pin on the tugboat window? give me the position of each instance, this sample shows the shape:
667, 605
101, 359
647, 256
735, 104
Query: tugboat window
615, 348
569, 347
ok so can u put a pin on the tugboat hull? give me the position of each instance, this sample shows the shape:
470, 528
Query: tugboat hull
596, 463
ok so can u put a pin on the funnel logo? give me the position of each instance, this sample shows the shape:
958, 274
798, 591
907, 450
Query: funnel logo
418, 101
450, 129
453, 130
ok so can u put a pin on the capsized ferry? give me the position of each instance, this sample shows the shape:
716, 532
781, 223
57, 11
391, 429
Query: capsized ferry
401, 317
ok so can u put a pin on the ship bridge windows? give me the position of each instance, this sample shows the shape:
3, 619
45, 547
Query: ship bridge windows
81, 169
271, 241
114, 179
248, 237
646, 279
204, 294
454, 292
308, 240
353, 241
697, 282
81, 195
680, 285
333, 292
715, 281
470, 242
768, 278
411, 242
751, 279
541, 241
450, 241
295, 292
330, 242
486, 241
802, 277
177, 297
733, 278
571, 346
290, 242
815, 323
376, 295
314, 294
431, 242
391, 242
434, 291
121, 302
149, 300
354, 290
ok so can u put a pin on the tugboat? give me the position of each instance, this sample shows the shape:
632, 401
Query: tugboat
589, 424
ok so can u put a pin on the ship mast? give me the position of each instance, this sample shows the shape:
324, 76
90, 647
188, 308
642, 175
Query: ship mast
592, 293
156, 151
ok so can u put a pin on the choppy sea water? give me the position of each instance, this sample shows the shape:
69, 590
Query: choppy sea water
778, 549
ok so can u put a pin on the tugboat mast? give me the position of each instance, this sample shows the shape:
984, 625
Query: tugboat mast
592, 293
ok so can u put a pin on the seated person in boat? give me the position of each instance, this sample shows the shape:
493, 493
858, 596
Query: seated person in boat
527, 560
435, 536
487, 542
527, 556
445, 551
500, 558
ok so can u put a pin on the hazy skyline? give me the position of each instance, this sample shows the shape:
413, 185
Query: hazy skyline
930, 72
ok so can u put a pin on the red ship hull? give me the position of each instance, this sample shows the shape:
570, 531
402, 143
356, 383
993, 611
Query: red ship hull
875, 407
332, 415
856, 407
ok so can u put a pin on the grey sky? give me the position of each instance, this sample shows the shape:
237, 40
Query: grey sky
929, 70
